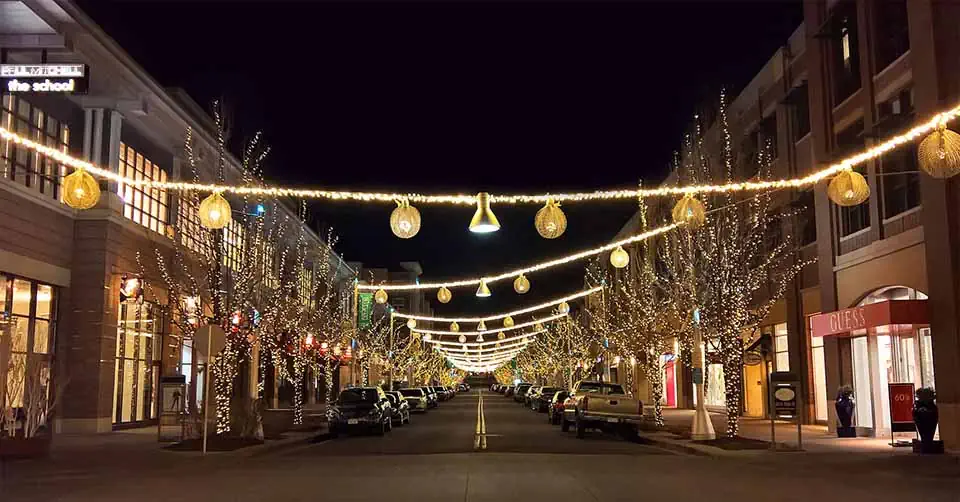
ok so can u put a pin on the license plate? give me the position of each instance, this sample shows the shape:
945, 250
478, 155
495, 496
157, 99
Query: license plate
353, 421
613, 420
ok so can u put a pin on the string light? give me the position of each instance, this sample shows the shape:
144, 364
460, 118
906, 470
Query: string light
467, 200
485, 344
506, 316
533, 268
536, 323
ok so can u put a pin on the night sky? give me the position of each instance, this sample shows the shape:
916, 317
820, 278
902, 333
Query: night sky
458, 97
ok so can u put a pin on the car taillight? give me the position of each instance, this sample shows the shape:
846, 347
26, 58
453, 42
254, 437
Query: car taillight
586, 402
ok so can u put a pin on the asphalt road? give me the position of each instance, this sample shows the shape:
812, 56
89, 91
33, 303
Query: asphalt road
433, 459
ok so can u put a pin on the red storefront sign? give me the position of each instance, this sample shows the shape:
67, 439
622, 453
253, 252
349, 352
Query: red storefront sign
901, 407
870, 316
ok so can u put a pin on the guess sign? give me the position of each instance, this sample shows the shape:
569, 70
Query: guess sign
870, 316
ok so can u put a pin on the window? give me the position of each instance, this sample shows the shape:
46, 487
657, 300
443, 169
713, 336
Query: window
193, 236
854, 218
145, 206
900, 183
28, 313
37, 172
305, 287
137, 363
892, 36
846, 57
781, 347
806, 217
800, 115
819, 375
768, 136
233, 245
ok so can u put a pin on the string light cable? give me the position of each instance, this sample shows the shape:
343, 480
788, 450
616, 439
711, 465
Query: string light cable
848, 163
495, 317
485, 344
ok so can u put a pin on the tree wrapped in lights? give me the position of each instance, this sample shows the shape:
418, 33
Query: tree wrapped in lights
734, 268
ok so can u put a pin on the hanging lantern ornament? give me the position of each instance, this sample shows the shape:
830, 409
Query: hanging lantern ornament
619, 257
444, 295
80, 190
497, 345
508, 322
215, 212
484, 221
480, 337
405, 220
550, 220
380, 296
482, 326
501, 335
427, 337
483, 291
689, 211
848, 188
462, 338
939, 153
412, 323
454, 326
521, 284
563, 308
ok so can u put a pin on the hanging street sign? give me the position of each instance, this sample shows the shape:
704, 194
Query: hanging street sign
364, 310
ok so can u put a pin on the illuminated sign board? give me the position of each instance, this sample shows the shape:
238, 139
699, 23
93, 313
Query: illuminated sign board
44, 78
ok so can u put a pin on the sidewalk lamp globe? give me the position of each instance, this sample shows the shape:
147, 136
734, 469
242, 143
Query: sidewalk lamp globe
405, 220
80, 190
939, 153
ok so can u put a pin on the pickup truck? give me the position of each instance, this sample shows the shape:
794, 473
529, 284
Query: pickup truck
601, 405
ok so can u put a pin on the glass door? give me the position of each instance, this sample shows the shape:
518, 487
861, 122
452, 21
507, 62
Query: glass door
863, 392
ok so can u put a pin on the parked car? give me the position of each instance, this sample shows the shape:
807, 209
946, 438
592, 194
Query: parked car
361, 408
601, 405
521, 392
416, 398
495, 387
555, 410
509, 390
441, 394
399, 407
541, 402
432, 400
463, 387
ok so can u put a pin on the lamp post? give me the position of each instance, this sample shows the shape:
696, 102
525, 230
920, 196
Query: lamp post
390, 353
702, 426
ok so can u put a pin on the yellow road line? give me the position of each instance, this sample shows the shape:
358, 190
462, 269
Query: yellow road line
480, 436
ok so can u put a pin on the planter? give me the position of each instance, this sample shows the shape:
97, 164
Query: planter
926, 415
845, 407
37, 446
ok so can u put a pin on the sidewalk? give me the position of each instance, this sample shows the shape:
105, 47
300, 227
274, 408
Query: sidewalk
816, 438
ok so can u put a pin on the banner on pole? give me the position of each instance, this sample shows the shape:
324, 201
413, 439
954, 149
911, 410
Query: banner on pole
364, 310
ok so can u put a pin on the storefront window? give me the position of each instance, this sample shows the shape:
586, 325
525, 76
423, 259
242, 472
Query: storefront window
782, 347
819, 378
716, 394
861, 382
145, 206
136, 369
27, 329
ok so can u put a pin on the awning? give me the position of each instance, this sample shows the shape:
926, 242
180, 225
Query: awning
873, 315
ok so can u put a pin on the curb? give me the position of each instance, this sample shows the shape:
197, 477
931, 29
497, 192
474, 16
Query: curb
678, 446
283, 444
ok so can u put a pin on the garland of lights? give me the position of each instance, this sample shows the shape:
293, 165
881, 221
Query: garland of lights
875, 151
495, 317
484, 344
488, 331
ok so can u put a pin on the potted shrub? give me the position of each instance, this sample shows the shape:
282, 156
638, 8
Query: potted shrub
926, 416
27, 410
845, 405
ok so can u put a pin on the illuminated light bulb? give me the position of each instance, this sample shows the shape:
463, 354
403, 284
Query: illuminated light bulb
80, 190
405, 220
507, 322
563, 308
454, 327
380, 296
484, 221
309, 340
411, 323
444, 295
462, 338
482, 326
619, 258
427, 337
324, 345
521, 284
215, 212
483, 291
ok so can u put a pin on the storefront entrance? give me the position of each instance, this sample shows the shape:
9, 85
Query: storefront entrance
885, 340
753, 378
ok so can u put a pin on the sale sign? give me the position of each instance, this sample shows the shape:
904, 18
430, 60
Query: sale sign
901, 407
